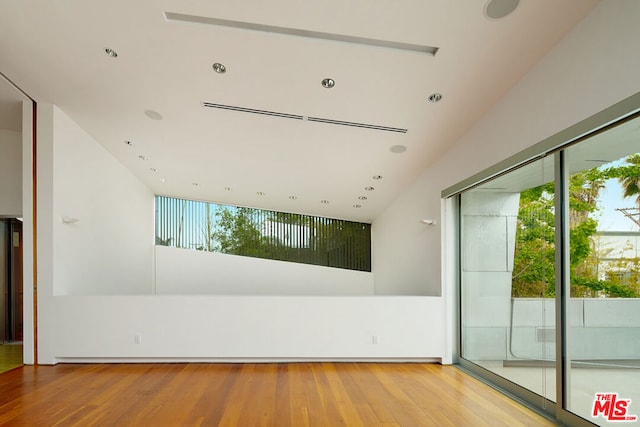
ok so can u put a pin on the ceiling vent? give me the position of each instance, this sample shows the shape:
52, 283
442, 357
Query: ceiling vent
297, 32
252, 110
357, 125
301, 117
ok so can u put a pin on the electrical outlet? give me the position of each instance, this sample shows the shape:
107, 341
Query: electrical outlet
137, 339
375, 339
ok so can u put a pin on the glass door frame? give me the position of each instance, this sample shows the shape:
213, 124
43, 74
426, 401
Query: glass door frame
555, 145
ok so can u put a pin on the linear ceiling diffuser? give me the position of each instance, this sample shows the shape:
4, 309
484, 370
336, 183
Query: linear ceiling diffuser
301, 117
252, 110
250, 26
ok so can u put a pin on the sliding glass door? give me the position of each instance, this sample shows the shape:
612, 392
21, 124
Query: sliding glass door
549, 265
603, 330
507, 277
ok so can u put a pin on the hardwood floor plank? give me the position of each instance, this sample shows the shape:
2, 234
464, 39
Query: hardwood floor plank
221, 380
279, 394
299, 400
283, 402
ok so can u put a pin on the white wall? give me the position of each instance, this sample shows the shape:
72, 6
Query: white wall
10, 173
184, 271
263, 328
599, 329
592, 68
529, 332
488, 243
109, 251
85, 314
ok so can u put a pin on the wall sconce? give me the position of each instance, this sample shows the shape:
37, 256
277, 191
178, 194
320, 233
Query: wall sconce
68, 220
428, 221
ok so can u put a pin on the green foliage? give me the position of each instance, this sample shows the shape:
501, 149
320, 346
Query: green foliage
534, 259
580, 241
630, 179
533, 270
626, 273
628, 175
236, 233
262, 233
163, 242
588, 288
292, 237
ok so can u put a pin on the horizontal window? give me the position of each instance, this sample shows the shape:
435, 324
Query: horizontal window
262, 233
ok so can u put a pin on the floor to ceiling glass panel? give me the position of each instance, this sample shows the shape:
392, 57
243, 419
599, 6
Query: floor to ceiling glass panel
507, 277
603, 332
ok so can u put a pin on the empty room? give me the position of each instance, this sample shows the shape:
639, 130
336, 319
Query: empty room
343, 213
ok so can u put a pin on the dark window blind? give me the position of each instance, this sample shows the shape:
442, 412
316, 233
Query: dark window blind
262, 233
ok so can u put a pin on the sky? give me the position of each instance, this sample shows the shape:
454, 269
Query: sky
609, 199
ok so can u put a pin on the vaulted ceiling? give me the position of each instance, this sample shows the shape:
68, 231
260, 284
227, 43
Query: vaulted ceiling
264, 140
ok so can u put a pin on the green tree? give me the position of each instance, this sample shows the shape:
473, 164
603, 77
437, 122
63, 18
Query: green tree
587, 287
534, 258
237, 233
631, 274
629, 177
533, 269
322, 241
163, 242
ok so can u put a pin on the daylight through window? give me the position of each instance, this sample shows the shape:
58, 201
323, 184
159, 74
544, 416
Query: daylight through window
262, 233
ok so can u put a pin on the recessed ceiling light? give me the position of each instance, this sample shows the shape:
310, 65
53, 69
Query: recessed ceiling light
260, 193
328, 83
435, 97
324, 202
227, 188
163, 180
153, 169
293, 197
357, 206
152, 114
130, 143
219, 68
142, 157
112, 53
398, 149
195, 184
496, 9
362, 197
377, 177
369, 188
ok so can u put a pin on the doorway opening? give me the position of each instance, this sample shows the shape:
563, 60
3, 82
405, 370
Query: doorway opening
15, 219
11, 294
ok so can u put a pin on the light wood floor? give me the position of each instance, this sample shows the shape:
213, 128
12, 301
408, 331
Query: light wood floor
284, 394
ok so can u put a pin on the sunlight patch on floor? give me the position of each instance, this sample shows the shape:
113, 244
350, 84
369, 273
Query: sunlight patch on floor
10, 356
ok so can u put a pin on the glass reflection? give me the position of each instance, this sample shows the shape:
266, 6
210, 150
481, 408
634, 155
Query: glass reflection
603, 334
508, 277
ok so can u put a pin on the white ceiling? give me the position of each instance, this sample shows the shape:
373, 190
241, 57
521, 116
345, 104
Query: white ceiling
55, 52
10, 107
